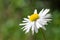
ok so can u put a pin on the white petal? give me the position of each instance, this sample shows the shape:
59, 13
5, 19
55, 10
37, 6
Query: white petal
41, 12
43, 28
35, 11
32, 28
28, 16
45, 12
27, 26
21, 24
27, 30
22, 27
26, 19
47, 16
42, 22
47, 20
38, 25
36, 29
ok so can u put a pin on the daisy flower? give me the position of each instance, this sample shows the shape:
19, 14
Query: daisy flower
36, 21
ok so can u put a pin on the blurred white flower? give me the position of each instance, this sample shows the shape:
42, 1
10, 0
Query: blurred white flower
36, 21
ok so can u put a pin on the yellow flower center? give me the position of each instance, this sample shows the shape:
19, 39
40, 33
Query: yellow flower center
34, 17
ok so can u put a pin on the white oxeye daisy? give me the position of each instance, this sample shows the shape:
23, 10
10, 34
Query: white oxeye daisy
36, 21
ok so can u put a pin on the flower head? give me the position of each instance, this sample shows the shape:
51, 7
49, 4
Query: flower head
36, 21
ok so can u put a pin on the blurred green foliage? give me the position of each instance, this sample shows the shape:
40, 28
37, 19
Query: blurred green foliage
13, 11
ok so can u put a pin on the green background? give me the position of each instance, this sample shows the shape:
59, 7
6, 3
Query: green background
12, 13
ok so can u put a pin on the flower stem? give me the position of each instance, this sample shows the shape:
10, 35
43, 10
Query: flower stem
32, 37
44, 38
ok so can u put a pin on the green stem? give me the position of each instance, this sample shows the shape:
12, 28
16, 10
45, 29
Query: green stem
44, 38
32, 37
35, 36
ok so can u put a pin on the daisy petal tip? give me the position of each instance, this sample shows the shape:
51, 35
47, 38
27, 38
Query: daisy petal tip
44, 28
23, 21
35, 11
26, 32
48, 9
22, 28
32, 33
43, 9
23, 18
37, 32
28, 16
19, 24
